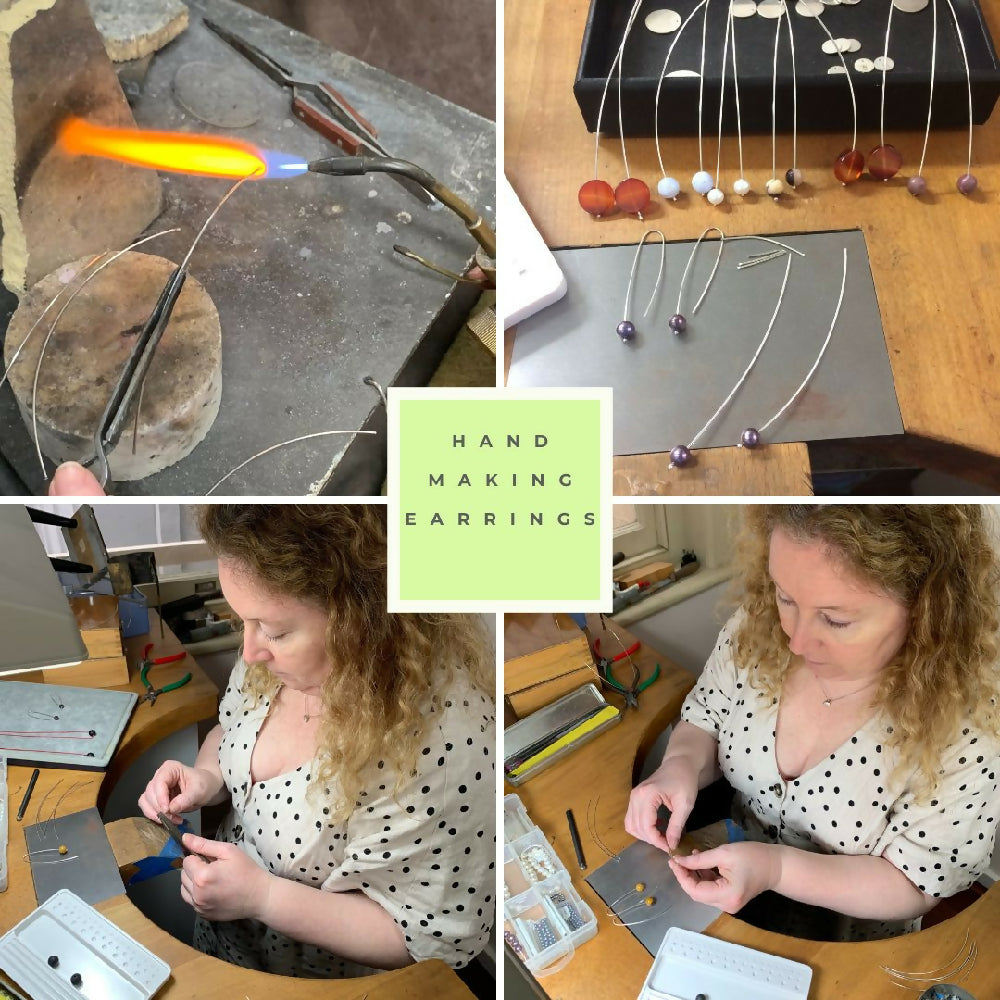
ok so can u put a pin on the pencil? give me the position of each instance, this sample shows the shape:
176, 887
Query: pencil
27, 794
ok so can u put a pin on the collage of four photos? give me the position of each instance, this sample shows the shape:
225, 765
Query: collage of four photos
500, 500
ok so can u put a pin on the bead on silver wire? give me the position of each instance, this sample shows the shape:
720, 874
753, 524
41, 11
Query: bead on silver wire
626, 328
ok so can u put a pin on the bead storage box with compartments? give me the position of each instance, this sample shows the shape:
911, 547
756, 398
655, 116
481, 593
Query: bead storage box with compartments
544, 918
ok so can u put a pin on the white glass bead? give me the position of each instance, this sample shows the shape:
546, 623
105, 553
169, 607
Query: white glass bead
741, 187
702, 182
715, 197
667, 187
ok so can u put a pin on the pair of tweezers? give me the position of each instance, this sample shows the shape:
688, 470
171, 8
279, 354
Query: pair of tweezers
130, 381
333, 118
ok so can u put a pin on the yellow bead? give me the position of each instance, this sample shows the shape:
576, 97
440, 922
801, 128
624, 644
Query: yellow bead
639, 886
63, 849
649, 900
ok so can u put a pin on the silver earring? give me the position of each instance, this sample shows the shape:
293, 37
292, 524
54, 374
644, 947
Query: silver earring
626, 328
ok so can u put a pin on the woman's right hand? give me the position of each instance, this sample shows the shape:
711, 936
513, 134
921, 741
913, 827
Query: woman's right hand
176, 788
675, 785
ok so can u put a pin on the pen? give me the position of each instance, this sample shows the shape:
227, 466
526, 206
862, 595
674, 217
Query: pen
575, 837
27, 795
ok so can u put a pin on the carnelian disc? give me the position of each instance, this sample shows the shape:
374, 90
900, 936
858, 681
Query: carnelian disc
848, 166
596, 198
884, 162
632, 195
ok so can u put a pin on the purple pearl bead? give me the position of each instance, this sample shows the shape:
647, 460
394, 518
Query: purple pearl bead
967, 184
677, 323
680, 455
916, 185
750, 438
626, 330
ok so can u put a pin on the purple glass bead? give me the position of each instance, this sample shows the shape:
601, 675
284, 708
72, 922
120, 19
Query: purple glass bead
916, 185
680, 455
626, 330
750, 438
967, 183
677, 323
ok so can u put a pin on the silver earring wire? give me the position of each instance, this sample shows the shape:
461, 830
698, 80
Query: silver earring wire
885, 57
626, 328
621, 62
774, 186
665, 189
702, 178
615, 64
850, 83
826, 343
930, 96
760, 347
968, 80
742, 186
716, 195
678, 322
795, 104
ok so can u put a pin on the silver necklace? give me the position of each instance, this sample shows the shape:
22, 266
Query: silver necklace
828, 701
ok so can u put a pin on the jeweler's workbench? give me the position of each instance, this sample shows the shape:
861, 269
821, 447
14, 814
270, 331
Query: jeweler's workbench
595, 780
192, 973
932, 258
310, 295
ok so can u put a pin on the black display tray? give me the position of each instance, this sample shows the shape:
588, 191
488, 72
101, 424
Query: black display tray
824, 101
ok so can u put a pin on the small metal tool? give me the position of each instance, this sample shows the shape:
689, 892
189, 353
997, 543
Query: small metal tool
129, 384
144, 666
331, 116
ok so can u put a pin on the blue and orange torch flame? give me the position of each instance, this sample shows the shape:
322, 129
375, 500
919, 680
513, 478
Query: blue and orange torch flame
207, 155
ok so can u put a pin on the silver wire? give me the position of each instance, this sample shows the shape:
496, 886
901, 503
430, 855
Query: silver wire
930, 96
736, 87
885, 56
968, 76
635, 267
819, 357
795, 92
774, 91
701, 84
722, 95
621, 63
850, 82
930, 972
687, 267
753, 360
607, 83
659, 85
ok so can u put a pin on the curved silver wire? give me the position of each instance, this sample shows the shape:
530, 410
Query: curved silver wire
635, 267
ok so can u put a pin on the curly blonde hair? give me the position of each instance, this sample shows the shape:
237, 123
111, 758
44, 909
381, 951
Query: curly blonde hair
387, 668
940, 562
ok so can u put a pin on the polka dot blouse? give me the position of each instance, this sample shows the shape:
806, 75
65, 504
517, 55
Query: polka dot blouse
853, 802
426, 856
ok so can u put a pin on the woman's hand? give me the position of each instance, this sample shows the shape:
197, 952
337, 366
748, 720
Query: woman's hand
176, 788
729, 876
222, 883
675, 785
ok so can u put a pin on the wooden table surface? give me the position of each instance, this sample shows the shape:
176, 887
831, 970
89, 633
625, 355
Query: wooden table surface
933, 260
595, 782
193, 974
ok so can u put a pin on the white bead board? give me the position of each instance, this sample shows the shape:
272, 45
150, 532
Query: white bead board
688, 964
112, 965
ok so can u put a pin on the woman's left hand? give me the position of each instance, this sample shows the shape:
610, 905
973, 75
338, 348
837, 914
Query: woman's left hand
729, 876
226, 886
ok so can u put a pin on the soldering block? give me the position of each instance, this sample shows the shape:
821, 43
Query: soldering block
90, 346
53, 207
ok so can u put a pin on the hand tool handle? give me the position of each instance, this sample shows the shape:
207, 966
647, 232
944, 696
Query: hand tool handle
342, 101
326, 127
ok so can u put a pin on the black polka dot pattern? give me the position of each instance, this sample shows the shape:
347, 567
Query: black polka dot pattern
414, 853
853, 802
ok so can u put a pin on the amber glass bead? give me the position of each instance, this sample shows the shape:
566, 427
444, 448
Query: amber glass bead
632, 195
597, 198
884, 162
848, 166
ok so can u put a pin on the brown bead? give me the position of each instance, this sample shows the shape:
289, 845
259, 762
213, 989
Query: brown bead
848, 166
596, 198
632, 195
884, 162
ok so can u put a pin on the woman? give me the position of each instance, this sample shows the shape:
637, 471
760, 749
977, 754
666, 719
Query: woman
356, 749
851, 702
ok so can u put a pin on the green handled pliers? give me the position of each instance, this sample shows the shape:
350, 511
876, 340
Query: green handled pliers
153, 693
